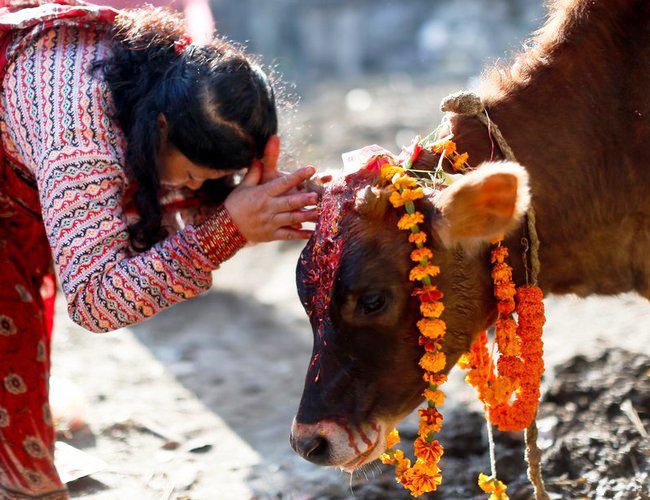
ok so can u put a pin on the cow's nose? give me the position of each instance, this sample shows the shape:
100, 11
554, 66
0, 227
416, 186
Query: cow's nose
316, 449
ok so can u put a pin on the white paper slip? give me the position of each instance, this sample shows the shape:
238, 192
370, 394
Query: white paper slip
73, 464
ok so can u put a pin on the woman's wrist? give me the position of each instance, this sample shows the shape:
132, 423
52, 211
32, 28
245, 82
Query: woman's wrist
219, 236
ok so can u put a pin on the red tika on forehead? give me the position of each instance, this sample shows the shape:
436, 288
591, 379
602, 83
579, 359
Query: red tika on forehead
323, 255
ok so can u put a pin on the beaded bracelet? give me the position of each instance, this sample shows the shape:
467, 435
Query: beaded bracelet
219, 237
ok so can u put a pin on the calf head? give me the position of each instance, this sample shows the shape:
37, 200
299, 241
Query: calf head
352, 278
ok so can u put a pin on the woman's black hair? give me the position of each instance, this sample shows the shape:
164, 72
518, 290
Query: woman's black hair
218, 103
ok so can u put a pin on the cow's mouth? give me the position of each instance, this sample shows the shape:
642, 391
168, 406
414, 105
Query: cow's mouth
363, 458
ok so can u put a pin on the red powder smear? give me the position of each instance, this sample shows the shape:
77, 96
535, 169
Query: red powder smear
324, 249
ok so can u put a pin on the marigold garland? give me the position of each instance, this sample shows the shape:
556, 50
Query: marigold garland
520, 365
423, 476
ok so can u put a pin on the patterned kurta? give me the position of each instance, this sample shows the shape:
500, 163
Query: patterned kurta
62, 189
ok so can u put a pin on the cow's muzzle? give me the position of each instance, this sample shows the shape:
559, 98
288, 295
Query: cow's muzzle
337, 444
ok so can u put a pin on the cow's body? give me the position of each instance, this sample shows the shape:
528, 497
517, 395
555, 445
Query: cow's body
575, 109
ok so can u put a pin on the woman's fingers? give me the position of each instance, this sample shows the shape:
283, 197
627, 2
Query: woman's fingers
271, 154
253, 176
295, 218
285, 183
287, 233
291, 202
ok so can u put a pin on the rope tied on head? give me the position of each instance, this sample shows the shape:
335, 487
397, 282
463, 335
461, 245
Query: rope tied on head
468, 103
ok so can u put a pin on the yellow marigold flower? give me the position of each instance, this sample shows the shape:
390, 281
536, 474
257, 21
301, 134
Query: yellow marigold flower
432, 328
402, 466
421, 253
389, 171
432, 309
433, 361
418, 238
405, 182
460, 160
464, 362
436, 397
420, 272
387, 459
412, 194
396, 199
407, 221
392, 439
492, 485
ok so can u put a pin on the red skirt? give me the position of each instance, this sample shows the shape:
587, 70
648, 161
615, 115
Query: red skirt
26, 315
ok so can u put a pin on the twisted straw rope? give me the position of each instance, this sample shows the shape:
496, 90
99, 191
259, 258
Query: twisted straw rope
470, 104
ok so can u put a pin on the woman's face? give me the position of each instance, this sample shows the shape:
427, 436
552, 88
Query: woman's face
178, 171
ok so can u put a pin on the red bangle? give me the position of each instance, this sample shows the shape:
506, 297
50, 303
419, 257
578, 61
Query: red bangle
219, 237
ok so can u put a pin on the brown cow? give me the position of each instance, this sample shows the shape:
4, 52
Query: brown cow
575, 109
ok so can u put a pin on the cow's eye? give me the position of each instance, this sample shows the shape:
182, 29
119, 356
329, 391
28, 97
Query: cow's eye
371, 302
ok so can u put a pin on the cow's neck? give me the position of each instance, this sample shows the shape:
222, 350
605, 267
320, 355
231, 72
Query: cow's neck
576, 124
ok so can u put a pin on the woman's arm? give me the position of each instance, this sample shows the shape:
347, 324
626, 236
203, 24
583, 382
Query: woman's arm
56, 113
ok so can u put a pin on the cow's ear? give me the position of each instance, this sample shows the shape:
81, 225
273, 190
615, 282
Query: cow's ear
483, 204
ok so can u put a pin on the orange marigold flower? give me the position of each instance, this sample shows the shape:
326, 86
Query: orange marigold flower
511, 366
396, 199
426, 429
506, 307
444, 146
530, 293
421, 253
392, 439
501, 273
506, 337
504, 291
437, 397
422, 478
418, 238
429, 452
433, 361
429, 345
420, 272
432, 309
460, 161
430, 415
407, 221
434, 378
412, 194
427, 293
498, 254
501, 391
403, 464
404, 182
432, 328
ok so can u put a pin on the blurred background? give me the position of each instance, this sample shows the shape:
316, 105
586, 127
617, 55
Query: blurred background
198, 402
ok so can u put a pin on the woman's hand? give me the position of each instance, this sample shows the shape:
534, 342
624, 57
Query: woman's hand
273, 210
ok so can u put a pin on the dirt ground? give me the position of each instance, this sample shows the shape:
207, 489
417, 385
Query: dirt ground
197, 403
